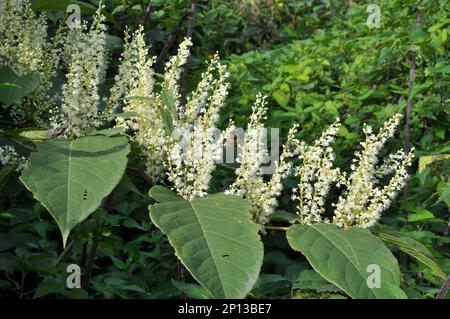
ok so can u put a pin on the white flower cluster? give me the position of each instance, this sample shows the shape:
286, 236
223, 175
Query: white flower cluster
364, 199
316, 174
86, 71
24, 37
195, 143
9, 156
127, 75
249, 182
173, 70
135, 82
180, 141
25, 48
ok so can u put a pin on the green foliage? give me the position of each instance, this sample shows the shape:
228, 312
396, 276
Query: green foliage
343, 257
61, 5
84, 171
14, 87
356, 73
214, 237
411, 247
316, 60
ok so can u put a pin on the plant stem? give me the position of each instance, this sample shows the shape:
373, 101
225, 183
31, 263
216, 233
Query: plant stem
22, 144
169, 42
184, 79
276, 228
148, 10
22, 284
181, 277
89, 264
61, 256
445, 288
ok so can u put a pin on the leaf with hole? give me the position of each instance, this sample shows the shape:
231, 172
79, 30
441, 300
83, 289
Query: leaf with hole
71, 178
213, 237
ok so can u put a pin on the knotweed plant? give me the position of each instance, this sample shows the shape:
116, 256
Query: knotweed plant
195, 144
316, 174
176, 140
86, 63
364, 196
250, 184
135, 85
81, 50
24, 37
26, 50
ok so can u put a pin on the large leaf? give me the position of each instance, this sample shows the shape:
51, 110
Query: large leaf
17, 86
343, 256
61, 5
410, 246
70, 178
214, 238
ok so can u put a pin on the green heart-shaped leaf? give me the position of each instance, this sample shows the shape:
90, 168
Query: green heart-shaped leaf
214, 238
70, 178
347, 259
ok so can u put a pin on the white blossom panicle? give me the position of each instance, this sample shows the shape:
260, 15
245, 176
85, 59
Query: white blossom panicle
178, 140
9, 157
173, 70
252, 154
25, 48
382, 197
192, 159
365, 198
363, 201
24, 37
249, 182
316, 174
86, 70
126, 77
195, 105
136, 80
196, 144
